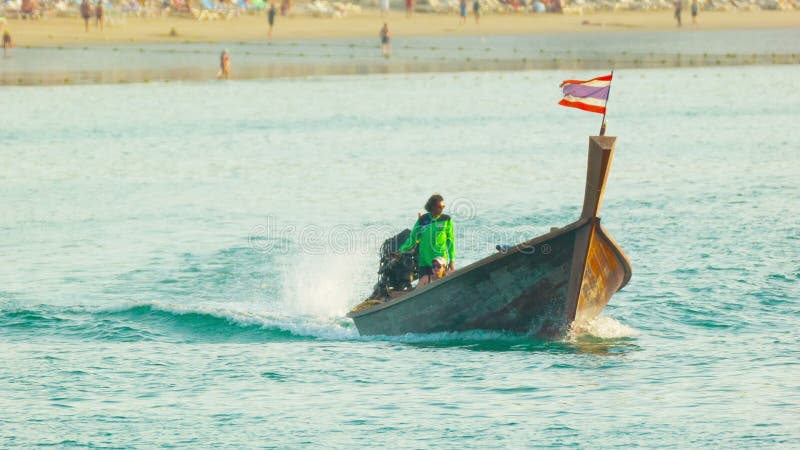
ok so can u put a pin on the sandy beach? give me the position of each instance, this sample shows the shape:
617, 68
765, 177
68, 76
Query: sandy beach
61, 31
57, 50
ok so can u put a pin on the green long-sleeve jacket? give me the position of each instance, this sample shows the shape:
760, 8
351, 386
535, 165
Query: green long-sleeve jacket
435, 238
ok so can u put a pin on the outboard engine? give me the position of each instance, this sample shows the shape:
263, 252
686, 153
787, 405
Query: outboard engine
396, 272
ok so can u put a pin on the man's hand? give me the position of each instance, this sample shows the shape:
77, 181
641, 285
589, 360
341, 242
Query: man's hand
452, 266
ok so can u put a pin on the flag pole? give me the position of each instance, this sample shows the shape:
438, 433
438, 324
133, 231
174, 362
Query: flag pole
603, 123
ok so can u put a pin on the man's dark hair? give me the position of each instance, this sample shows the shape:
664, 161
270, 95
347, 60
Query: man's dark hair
433, 201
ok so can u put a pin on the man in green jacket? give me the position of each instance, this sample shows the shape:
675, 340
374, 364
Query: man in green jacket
434, 234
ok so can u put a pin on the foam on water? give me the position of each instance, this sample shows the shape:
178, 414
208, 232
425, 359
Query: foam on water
603, 327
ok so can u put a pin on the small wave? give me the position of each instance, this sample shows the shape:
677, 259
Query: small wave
148, 321
50, 321
27, 318
217, 321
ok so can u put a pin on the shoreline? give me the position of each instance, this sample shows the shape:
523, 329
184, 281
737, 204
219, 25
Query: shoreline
512, 47
301, 70
68, 31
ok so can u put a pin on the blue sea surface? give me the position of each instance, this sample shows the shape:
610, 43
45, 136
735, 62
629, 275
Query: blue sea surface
177, 259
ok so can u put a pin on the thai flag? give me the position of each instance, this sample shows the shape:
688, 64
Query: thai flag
590, 95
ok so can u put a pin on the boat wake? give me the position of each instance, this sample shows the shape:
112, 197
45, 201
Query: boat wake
157, 321
251, 323
235, 320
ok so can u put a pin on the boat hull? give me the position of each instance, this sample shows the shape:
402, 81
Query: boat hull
538, 287
525, 290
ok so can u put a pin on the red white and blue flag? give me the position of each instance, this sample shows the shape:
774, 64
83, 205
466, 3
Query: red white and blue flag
590, 95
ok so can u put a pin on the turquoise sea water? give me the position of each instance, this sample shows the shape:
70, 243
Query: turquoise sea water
176, 261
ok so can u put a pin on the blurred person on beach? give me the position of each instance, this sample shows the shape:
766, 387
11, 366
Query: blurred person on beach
86, 13
224, 66
409, 8
384, 7
271, 17
99, 11
433, 232
29, 9
286, 6
462, 11
8, 43
678, 10
695, 7
60, 7
166, 7
386, 45
476, 9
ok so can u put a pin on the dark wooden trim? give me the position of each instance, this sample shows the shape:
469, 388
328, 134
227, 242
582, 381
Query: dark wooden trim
582, 242
601, 154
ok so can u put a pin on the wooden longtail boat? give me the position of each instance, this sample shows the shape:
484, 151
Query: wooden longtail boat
538, 287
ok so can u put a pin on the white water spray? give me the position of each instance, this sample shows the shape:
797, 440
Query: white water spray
326, 285
604, 328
